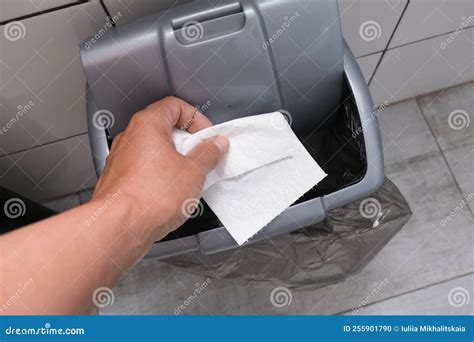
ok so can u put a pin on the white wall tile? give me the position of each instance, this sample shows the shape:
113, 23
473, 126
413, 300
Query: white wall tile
134, 9
11, 9
50, 171
368, 64
423, 67
428, 18
379, 19
63, 203
44, 68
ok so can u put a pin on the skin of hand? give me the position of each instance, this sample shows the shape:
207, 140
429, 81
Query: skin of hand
138, 200
146, 168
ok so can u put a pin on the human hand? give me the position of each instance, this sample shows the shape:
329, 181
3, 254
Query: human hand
148, 173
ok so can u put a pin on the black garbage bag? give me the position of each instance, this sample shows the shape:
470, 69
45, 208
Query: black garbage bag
313, 257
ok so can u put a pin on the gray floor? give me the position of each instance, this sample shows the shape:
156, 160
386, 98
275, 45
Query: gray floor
429, 265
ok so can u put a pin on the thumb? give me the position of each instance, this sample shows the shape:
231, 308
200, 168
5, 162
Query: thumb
209, 153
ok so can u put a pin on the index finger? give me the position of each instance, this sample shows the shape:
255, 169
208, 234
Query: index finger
175, 112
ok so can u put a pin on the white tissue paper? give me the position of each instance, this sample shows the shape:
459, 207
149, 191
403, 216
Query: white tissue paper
266, 170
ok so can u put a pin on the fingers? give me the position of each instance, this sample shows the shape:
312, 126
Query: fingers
175, 112
209, 153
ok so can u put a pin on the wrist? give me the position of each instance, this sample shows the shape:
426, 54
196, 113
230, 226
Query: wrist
125, 212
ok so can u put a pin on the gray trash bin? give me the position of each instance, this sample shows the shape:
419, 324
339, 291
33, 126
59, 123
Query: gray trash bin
243, 58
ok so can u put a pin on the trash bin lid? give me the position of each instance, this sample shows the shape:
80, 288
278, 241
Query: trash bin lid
233, 59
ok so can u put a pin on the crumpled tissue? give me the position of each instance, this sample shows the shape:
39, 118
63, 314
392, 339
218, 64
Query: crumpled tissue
266, 170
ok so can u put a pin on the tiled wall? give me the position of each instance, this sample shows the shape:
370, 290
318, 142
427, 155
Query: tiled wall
405, 48
13, 9
408, 48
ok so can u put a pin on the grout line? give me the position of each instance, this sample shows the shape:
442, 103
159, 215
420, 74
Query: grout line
413, 42
43, 145
370, 54
433, 92
430, 37
46, 11
408, 292
107, 12
442, 152
388, 43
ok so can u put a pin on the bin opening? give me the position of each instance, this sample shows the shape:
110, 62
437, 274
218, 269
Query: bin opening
337, 145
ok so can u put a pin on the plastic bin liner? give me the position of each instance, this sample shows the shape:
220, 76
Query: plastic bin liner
316, 256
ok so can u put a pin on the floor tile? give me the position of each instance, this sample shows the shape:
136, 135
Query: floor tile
405, 134
448, 298
461, 161
451, 130
428, 186
450, 114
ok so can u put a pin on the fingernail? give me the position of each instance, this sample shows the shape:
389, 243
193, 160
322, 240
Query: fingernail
222, 144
